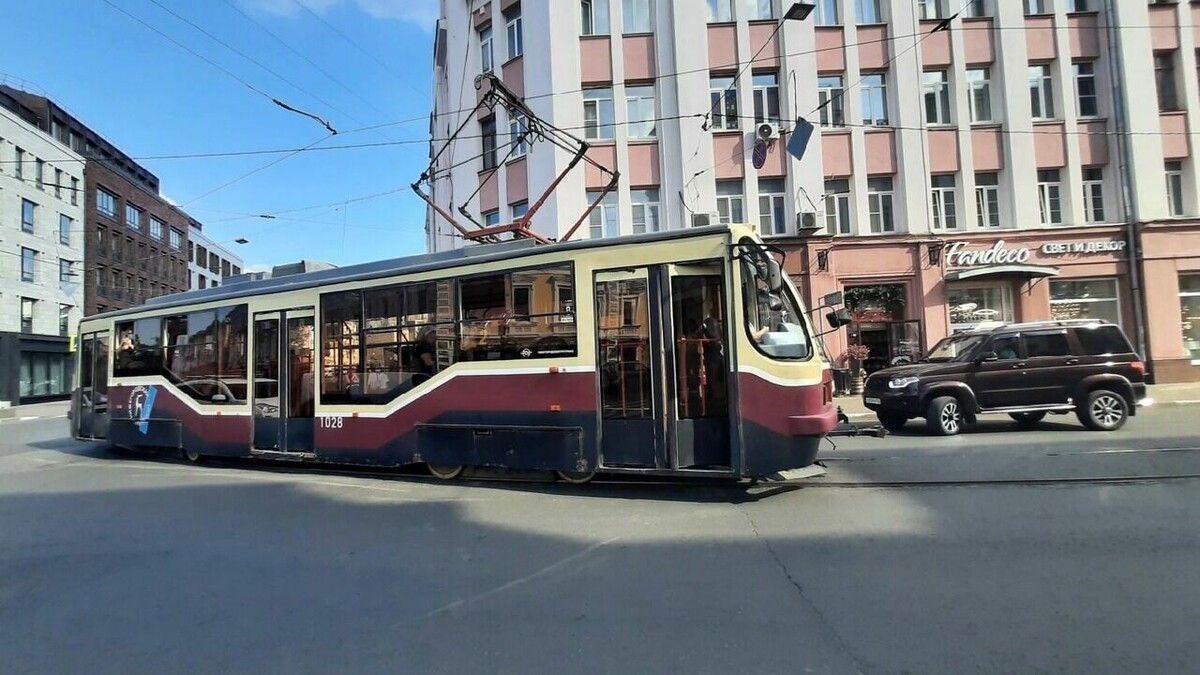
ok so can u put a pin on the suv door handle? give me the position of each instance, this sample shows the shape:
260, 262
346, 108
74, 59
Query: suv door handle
1071, 362
1019, 365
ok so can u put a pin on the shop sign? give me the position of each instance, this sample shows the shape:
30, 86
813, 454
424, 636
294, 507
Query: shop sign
958, 256
1060, 248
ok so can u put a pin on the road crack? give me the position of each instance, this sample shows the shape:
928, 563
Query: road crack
802, 595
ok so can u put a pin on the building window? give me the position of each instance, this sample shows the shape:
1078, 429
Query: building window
722, 94
1049, 196
760, 10
513, 33
987, 199
1084, 299
486, 58
931, 9
945, 215
975, 9
74, 191
602, 221
1093, 195
1081, 5
19, 164
720, 11
730, 204
829, 96
519, 209
64, 229
133, 216
1041, 93
1087, 103
64, 320
106, 202
203, 281
636, 16
766, 97
772, 215
176, 239
645, 210
28, 258
487, 130
972, 305
27, 314
979, 84
1164, 77
28, 212
58, 180
1174, 173
598, 113
39, 173
936, 91
868, 12
879, 204
837, 206
64, 271
491, 218
639, 107
594, 17
827, 13
1035, 7
874, 99
156, 228
1189, 314
518, 136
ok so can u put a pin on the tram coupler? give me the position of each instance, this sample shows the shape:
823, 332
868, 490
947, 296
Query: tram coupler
847, 428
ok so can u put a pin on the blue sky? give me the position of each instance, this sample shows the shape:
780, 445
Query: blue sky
151, 97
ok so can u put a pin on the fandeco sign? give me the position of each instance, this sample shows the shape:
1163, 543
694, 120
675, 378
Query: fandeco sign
957, 254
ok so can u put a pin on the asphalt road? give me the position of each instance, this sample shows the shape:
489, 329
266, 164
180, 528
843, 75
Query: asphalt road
118, 565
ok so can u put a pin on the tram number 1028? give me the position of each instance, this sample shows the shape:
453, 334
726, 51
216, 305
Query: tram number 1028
331, 421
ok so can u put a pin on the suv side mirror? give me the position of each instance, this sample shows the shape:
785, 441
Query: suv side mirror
219, 398
987, 356
839, 318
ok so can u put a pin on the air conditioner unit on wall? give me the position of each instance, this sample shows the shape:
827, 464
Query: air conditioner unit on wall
806, 220
705, 219
766, 131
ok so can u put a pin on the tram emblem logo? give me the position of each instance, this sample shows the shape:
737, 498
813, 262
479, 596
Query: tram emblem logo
141, 404
527, 352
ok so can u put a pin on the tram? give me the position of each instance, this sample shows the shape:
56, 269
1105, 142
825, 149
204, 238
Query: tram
683, 353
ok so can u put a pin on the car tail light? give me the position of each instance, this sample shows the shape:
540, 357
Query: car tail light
1139, 366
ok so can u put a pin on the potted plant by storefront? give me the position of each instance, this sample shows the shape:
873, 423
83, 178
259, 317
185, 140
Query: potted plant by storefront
854, 357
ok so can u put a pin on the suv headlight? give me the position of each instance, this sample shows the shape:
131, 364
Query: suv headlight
901, 382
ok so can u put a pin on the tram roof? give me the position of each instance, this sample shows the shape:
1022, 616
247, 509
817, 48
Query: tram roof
425, 262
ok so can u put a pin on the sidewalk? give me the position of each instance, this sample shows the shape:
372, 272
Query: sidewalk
1184, 393
35, 411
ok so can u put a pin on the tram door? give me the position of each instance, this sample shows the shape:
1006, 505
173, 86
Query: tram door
661, 348
284, 381
92, 418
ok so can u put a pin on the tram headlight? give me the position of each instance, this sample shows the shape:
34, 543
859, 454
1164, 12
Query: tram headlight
902, 382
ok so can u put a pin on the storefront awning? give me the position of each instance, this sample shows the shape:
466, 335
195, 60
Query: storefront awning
1024, 271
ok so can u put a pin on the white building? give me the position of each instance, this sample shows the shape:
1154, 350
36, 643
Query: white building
1051, 126
41, 260
209, 263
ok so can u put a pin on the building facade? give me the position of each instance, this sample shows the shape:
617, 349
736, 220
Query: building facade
1006, 167
136, 239
41, 260
209, 263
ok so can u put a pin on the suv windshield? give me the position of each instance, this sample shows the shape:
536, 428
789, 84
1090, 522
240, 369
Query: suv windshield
955, 348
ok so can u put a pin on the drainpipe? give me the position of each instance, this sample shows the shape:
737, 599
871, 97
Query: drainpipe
1133, 235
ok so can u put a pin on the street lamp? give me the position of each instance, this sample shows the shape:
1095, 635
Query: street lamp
799, 11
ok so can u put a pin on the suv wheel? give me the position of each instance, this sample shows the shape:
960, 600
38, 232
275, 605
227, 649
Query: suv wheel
892, 421
1027, 418
1103, 410
944, 416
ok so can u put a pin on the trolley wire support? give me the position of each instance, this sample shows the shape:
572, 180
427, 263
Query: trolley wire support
535, 129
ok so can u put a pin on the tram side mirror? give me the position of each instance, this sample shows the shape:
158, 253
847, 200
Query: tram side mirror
986, 356
218, 398
775, 276
839, 318
832, 299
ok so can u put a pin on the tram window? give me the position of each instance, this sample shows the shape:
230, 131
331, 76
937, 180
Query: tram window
205, 353
518, 315
773, 320
341, 317
139, 348
699, 325
231, 341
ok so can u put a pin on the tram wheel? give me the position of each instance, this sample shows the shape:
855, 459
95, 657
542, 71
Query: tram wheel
446, 471
192, 456
575, 477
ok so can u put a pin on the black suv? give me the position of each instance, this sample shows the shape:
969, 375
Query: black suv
1023, 370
